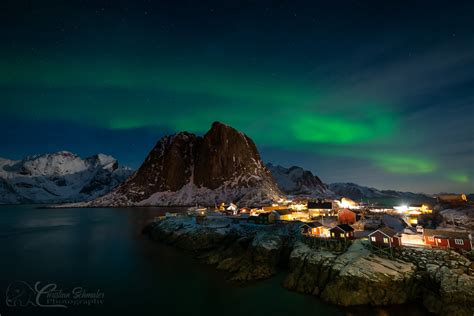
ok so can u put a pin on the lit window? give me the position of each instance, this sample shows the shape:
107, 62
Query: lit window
459, 241
430, 238
439, 240
373, 238
385, 240
332, 234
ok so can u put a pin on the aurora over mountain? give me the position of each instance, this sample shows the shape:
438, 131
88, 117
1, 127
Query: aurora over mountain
375, 93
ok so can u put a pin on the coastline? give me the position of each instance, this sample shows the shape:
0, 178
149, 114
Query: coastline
442, 281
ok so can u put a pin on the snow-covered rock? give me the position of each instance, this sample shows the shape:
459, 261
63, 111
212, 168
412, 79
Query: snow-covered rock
458, 217
359, 277
297, 181
358, 192
184, 169
58, 177
365, 279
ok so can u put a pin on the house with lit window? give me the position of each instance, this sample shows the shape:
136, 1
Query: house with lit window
283, 214
385, 237
315, 229
320, 208
452, 198
447, 239
262, 218
342, 231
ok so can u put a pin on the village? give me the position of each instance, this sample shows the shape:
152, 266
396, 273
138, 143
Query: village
345, 252
325, 223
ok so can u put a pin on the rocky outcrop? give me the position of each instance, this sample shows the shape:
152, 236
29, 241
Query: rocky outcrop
361, 278
443, 281
354, 278
248, 253
446, 279
457, 217
448, 291
184, 169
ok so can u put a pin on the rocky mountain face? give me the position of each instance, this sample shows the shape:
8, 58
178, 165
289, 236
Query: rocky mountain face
184, 169
58, 177
297, 181
358, 192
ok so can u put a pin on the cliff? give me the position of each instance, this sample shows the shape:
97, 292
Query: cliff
184, 169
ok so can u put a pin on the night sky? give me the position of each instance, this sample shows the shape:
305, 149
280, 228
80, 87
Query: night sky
380, 93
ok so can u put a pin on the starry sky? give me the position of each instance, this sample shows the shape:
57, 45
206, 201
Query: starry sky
380, 93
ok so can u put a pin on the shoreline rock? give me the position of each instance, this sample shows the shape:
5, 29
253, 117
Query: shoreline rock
442, 281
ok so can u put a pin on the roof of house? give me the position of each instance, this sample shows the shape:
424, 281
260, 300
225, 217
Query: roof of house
344, 227
445, 233
312, 224
320, 205
386, 231
361, 233
283, 212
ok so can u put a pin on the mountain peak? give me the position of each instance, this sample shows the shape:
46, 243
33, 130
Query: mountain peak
222, 166
217, 124
58, 177
297, 181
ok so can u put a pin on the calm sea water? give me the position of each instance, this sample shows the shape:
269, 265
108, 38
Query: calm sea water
102, 251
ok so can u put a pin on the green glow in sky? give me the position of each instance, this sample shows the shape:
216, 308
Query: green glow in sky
339, 129
274, 112
404, 164
458, 177
313, 85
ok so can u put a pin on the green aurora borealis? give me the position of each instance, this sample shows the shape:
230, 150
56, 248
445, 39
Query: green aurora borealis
337, 107
294, 118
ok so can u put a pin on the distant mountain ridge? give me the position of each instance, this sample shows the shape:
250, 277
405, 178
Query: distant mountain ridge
298, 182
182, 169
185, 169
358, 192
58, 177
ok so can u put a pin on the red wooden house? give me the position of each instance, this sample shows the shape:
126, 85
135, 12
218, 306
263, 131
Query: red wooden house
342, 231
346, 216
447, 239
385, 237
315, 229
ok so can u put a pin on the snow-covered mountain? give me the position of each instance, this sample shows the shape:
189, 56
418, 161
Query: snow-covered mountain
358, 192
184, 169
297, 181
58, 177
457, 216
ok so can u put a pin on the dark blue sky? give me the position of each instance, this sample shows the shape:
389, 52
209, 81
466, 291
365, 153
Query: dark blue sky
374, 92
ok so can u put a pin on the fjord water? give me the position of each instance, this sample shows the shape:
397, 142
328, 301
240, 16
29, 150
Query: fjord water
103, 250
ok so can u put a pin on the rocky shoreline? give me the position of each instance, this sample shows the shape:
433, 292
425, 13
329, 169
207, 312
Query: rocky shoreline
443, 281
